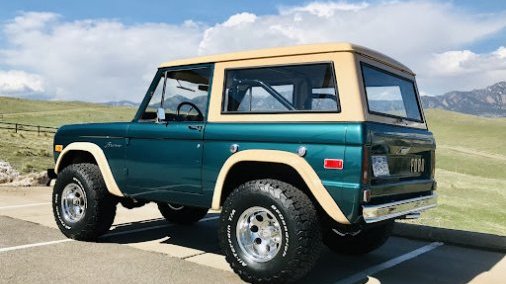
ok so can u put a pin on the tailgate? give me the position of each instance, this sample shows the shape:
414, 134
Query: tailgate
402, 162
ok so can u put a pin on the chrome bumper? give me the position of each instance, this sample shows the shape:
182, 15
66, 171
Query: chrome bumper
376, 213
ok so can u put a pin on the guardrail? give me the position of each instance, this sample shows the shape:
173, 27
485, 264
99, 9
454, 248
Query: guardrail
27, 127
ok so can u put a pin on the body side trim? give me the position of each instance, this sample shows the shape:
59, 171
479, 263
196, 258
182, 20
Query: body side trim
102, 163
290, 159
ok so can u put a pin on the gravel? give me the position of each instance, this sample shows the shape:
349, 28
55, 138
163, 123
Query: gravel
9, 176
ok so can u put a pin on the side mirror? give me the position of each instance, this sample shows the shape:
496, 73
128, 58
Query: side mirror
160, 114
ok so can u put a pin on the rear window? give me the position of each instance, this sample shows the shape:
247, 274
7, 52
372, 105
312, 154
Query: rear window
389, 94
281, 89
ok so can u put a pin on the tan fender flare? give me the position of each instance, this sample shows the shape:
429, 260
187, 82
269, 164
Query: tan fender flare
298, 163
102, 163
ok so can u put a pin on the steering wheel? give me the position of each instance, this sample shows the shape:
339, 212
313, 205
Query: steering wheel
193, 107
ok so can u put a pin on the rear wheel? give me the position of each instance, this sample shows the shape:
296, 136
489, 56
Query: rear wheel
269, 231
82, 206
179, 214
353, 240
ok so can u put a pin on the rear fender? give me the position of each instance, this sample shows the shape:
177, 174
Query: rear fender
298, 163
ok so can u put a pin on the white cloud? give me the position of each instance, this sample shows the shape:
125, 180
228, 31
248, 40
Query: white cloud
408, 31
30, 21
465, 69
452, 62
16, 82
324, 9
238, 19
398, 28
501, 52
95, 60
103, 60
458, 62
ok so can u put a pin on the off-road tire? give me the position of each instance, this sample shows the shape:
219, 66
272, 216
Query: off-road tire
183, 215
356, 241
101, 205
299, 221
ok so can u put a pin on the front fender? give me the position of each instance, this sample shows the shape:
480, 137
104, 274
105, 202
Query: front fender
101, 160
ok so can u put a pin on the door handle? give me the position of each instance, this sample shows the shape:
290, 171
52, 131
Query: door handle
195, 127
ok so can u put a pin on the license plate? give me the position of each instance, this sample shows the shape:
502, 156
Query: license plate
380, 166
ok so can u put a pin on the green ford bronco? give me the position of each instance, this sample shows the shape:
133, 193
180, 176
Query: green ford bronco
298, 147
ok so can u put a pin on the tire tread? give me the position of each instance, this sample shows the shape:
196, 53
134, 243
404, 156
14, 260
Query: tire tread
302, 211
101, 216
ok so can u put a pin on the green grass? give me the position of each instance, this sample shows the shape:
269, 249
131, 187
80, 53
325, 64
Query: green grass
469, 131
29, 152
471, 158
26, 151
471, 172
468, 202
57, 113
467, 163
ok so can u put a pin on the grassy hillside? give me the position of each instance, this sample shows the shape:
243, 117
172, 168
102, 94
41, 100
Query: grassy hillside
471, 158
469, 144
49, 113
27, 151
471, 172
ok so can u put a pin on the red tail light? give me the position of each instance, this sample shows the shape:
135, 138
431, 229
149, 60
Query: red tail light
333, 164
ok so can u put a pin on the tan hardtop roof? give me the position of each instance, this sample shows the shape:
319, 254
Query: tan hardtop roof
291, 50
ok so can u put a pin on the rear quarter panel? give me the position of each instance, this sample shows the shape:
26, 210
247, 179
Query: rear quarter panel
322, 140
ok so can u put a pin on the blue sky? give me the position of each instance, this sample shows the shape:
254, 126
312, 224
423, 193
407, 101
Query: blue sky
143, 11
101, 50
135, 11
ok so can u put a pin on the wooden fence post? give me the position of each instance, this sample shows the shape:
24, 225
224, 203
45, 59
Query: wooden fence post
16, 131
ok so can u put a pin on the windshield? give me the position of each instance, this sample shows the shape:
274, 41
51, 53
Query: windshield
176, 89
389, 94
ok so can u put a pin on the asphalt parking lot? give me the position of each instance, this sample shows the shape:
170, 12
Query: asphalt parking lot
141, 246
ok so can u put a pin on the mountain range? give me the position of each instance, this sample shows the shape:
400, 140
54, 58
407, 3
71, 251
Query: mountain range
490, 101
123, 103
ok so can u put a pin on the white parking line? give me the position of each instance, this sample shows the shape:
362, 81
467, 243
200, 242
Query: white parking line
390, 263
24, 205
152, 228
34, 245
106, 235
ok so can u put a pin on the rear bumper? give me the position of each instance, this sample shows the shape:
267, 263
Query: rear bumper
376, 213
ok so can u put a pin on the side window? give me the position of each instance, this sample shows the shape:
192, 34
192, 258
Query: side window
257, 99
281, 89
183, 94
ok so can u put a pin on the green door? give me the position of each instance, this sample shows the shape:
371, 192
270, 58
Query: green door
164, 152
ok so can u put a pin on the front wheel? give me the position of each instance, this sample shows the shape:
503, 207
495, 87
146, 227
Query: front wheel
353, 240
82, 206
269, 231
